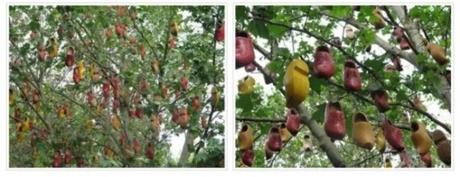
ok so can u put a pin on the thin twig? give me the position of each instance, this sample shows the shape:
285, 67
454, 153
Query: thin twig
371, 157
364, 67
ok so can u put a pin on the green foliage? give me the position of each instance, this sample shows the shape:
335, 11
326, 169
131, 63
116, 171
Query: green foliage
341, 11
41, 87
212, 155
266, 107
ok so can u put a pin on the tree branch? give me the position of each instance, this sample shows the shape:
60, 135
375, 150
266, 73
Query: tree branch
414, 34
393, 22
145, 38
424, 113
318, 132
42, 119
428, 115
357, 164
325, 143
342, 50
185, 149
394, 50
276, 155
266, 54
409, 57
411, 29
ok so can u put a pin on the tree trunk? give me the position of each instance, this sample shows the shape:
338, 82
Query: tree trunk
183, 160
324, 141
414, 34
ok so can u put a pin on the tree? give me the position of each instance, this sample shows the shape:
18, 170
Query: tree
103, 86
283, 33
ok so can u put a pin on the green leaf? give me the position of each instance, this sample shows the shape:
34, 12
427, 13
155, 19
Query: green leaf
276, 31
341, 11
315, 84
241, 13
364, 13
276, 66
375, 65
318, 115
34, 25
368, 37
259, 28
24, 49
244, 102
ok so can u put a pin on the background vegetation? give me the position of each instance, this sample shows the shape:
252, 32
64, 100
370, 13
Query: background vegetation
135, 69
282, 33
